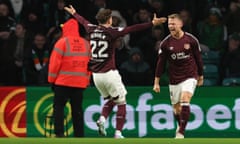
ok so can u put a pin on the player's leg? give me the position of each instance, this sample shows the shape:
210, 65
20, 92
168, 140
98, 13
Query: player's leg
175, 92
100, 83
118, 92
185, 110
121, 116
176, 112
188, 88
106, 110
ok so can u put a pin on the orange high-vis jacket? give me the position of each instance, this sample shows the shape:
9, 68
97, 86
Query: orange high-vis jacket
68, 65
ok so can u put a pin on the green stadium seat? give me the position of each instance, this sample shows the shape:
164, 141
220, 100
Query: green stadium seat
231, 82
210, 71
211, 57
210, 82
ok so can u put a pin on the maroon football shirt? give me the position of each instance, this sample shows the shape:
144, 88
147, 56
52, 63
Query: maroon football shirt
102, 43
183, 56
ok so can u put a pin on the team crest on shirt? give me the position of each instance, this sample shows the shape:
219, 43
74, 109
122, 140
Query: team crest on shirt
186, 46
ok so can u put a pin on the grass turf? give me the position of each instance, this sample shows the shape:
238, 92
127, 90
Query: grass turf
119, 141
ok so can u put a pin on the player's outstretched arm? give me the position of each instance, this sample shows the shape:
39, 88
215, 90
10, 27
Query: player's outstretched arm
71, 10
156, 86
142, 26
158, 21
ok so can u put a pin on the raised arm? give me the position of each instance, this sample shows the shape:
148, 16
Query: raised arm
139, 27
71, 10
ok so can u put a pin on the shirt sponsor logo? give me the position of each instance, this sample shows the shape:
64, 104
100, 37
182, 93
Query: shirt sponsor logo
174, 56
180, 55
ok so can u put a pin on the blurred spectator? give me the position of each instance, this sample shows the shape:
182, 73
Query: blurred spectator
126, 7
187, 21
231, 58
221, 4
57, 16
158, 7
146, 40
7, 23
18, 8
232, 18
212, 32
119, 21
135, 71
143, 15
8, 3
122, 52
36, 61
93, 9
53, 37
122, 43
33, 16
13, 55
148, 45
158, 33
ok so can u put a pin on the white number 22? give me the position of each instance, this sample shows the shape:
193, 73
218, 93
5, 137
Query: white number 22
99, 49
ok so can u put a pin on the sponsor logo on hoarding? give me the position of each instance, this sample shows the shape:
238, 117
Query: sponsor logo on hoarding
13, 113
217, 117
44, 107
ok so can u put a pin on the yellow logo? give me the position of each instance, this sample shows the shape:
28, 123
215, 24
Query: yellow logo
43, 109
19, 109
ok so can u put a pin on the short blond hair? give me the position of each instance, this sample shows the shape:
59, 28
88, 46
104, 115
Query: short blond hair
175, 15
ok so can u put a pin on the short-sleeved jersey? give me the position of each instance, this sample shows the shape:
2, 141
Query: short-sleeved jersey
102, 41
183, 56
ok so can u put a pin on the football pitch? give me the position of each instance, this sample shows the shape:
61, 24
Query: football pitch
119, 141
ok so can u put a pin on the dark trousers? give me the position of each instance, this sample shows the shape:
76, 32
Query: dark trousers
61, 95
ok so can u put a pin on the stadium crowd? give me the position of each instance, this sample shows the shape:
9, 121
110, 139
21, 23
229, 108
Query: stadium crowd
30, 28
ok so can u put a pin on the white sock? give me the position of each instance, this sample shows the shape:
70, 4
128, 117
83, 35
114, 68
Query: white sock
102, 119
118, 132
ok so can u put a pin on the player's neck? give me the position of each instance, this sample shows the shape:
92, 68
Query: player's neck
179, 34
